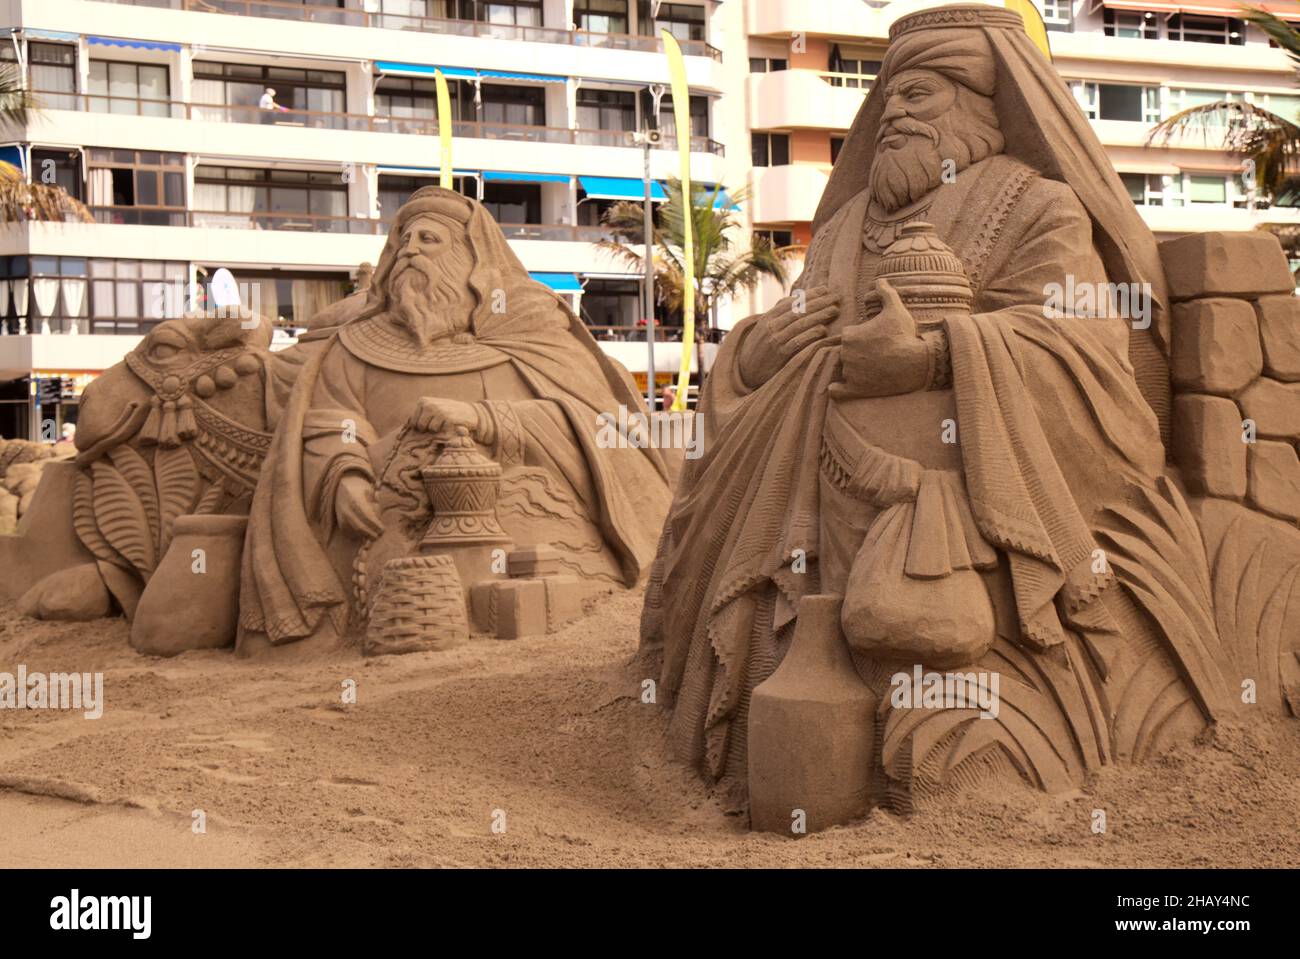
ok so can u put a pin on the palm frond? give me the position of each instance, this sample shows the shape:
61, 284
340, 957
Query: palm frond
23, 202
16, 102
1270, 140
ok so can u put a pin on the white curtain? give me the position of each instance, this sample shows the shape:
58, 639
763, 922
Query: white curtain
20, 304
46, 291
101, 187
4, 307
208, 91
74, 302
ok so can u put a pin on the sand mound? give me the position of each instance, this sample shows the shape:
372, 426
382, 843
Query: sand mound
548, 735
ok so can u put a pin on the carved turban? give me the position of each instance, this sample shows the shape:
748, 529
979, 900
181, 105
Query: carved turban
963, 56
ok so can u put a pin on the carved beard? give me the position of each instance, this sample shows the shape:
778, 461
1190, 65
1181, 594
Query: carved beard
431, 298
903, 174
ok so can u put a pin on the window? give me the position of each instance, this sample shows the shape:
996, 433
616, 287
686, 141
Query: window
606, 109
137, 186
1198, 29
44, 294
768, 64
683, 20
699, 110
1285, 106
410, 105
512, 104
611, 303
254, 199
291, 298
1144, 189
521, 13
513, 202
141, 89
52, 72
778, 238
313, 98
770, 149
396, 190
1207, 188
601, 16
61, 168
1135, 25
1057, 15
1118, 101
133, 296
860, 64
837, 144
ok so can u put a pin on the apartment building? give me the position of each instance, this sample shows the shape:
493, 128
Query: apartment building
155, 114
277, 139
1130, 63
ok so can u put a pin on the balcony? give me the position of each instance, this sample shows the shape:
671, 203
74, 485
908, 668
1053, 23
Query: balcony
787, 194
357, 122
318, 13
805, 99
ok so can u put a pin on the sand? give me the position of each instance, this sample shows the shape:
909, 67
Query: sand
547, 736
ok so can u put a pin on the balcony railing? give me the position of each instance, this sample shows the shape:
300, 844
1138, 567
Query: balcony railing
316, 119
350, 16
855, 81
227, 220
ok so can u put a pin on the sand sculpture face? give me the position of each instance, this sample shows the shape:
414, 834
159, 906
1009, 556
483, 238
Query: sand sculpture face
936, 515
429, 283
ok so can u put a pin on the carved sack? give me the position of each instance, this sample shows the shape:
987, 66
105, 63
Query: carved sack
914, 591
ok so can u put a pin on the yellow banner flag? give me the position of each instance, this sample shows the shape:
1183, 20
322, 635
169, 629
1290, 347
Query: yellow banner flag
1034, 25
682, 119
444, 130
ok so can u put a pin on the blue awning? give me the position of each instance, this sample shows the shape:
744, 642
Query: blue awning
12, 155
468, 73
620, 188
501, 176
536, 77
422, 69
559, 282
33, 33
134, 44
721, 202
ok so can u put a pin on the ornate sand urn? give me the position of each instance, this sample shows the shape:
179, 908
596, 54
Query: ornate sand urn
928, 276
463, 486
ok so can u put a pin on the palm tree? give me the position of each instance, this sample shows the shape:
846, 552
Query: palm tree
721, 268
1269, 140
21, 201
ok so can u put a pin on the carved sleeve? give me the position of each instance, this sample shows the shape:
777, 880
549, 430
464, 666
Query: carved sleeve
501, 431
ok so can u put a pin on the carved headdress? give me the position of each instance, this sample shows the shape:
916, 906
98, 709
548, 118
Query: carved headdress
986, 49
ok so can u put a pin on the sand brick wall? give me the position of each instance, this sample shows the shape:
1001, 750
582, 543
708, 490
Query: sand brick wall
1235, 366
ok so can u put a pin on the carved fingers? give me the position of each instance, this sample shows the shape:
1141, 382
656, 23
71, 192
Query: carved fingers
355, 507
437, 415
803, 319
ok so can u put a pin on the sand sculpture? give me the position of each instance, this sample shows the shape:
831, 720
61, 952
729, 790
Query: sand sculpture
943, 459
455, 415
423, 464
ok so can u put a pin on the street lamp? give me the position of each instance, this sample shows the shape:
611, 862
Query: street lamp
648, 139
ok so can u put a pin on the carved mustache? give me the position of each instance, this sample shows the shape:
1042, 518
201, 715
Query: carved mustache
908, 127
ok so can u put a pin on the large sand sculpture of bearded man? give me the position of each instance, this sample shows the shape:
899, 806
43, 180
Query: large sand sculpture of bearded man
978, 478
458, 347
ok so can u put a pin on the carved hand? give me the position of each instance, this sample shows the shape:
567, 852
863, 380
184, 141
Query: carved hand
885, 356
434, 414
785, 330
355, 508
